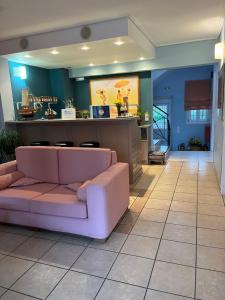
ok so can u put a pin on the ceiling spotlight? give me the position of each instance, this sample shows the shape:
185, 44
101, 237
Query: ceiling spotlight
91, 65
115, 61
119, 43
141, 58
27, 56
54, 52
85, 48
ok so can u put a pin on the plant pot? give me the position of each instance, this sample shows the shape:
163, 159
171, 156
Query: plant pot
195, 148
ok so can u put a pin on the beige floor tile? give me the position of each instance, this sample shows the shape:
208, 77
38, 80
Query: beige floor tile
165, 188
211, 258
158, 204
211, 210
212, 222
208, 184
130, 218
141, 246
173, 278
180, 233
209, 191
167, 181
161, 195
188, 177
185, 197
189, 172
186, 189
148, 228
207, 178
176, 252
190, 184
210, 285
155, 295
183, 206
131, 269
182, 218
210, 199
157, 215
213, 238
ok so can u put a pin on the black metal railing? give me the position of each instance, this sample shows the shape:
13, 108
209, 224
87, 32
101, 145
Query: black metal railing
161, 126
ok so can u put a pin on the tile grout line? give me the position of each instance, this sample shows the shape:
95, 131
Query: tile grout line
196, 239
162, 232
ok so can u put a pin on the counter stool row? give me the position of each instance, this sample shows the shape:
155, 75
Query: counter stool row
87, 144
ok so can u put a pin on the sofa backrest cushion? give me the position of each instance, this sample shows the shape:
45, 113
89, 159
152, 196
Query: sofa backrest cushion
81, 164
39, 163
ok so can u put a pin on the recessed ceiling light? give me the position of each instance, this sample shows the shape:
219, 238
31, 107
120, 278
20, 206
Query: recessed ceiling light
54, 52
119, 43
141, 58
91, 65
27, 56
85, 48
115, 61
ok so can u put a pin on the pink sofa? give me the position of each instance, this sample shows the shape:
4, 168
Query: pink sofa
51, 205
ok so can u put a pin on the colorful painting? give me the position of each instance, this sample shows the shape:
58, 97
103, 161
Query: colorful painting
115, 90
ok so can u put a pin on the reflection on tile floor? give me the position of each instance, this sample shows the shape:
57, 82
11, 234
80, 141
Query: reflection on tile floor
170, 245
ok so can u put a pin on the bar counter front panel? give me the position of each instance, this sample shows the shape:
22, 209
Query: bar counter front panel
120, 134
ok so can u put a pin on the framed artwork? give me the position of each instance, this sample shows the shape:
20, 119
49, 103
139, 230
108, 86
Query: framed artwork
221, 94
109, 91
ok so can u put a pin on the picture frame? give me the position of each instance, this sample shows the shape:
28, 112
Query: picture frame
113, 90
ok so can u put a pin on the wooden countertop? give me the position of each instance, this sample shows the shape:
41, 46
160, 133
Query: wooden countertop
77, 121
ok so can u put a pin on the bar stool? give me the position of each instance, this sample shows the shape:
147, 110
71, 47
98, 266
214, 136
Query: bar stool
90, 144
64, 144
40, 143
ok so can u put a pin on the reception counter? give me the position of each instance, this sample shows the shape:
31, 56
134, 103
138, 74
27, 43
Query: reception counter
120, 134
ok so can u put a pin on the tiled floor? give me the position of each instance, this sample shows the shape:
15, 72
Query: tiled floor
170, 245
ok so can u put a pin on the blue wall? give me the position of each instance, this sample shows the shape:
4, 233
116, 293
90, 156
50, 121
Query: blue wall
42, 82
82, 91
171, 84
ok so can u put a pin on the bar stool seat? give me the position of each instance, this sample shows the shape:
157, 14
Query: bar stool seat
90, 144
64, 144
40, 143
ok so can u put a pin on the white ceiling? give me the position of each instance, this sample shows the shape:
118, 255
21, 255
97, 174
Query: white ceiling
100, 53
163, 21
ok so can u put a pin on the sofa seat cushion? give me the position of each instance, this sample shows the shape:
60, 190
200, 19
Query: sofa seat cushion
60, 202
18, 198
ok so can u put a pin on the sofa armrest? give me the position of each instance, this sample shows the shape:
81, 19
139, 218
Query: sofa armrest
108, 199
8, 167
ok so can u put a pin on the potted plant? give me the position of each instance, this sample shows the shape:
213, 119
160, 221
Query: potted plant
85, 114
140, 115
9, 140
195, 144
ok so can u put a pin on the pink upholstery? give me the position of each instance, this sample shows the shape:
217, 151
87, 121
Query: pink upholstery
59, 202
18, 198
114, 157
81, 164
8, 179
82, 191
55, 207
24, 181
74, 186
38, 163
8, 167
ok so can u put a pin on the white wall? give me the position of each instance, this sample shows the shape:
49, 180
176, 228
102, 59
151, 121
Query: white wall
7, 111
219, 129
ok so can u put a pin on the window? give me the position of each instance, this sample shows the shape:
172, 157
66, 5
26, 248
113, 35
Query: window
200, 116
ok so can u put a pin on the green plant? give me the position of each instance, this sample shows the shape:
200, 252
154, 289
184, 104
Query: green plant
9, 140
194, 142
85, 113
140, 112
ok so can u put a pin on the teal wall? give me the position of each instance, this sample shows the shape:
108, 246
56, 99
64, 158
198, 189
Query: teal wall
42, 82
82, 91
